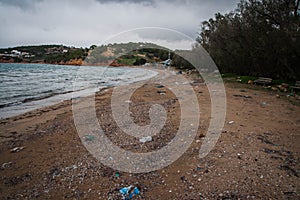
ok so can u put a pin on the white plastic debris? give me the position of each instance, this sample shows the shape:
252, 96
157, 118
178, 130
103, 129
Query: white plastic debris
145, 139
7, 165
16, 149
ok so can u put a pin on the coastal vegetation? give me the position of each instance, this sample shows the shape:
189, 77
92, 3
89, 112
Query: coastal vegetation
258, 38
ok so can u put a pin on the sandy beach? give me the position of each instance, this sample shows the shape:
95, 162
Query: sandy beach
256, 157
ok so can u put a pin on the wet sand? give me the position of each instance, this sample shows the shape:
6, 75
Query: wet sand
256, 157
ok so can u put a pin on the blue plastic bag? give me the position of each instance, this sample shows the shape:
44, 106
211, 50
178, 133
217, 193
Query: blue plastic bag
128, 193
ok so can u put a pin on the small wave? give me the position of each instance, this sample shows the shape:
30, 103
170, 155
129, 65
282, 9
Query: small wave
9, 104
44, 97
45, 85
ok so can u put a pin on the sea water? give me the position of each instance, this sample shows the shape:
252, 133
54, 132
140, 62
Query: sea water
26, 87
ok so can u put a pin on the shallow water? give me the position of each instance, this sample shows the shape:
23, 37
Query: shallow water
25, 87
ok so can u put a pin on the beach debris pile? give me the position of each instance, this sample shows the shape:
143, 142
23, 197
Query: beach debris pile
129, 192
243, 96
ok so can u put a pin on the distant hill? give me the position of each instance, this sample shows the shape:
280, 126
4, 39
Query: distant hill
126, 54
111, 54
52, 54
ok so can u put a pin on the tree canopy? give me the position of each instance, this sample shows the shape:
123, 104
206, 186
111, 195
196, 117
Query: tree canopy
258, 38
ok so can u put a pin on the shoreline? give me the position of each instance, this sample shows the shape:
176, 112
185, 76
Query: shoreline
256, 155
66, 64
39, 102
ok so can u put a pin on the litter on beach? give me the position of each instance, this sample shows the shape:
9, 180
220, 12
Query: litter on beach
16, 149
129, 192
89, 137
146, 139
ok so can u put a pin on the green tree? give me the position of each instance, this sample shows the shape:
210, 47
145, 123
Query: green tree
259, 38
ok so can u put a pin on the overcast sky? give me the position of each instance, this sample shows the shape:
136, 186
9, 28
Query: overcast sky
86, 22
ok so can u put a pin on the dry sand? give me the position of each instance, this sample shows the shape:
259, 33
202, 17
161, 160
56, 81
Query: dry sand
256, 157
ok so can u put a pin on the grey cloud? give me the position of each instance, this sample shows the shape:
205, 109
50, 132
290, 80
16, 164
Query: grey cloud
86, 22
23, 4
216, 3
169, 35
127, 1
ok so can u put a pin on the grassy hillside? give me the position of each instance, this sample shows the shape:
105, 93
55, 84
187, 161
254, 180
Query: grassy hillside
127, 54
